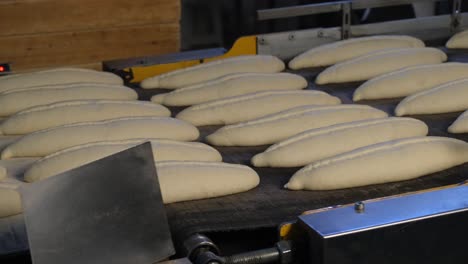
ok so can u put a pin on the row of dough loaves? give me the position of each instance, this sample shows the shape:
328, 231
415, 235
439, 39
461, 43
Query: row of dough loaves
186, 170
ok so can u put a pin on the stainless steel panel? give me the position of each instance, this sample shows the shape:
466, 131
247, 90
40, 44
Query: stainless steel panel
108, 211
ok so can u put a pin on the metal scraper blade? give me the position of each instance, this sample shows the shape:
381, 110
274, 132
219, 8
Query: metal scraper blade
108, 211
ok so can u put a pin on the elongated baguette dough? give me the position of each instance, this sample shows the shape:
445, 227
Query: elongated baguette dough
250, 106
48, 141
13, 102
215, 69
276, 127
163, 150
193, 180
63, 86
460, 125
320, 143
184, 181
410, 80
448, 97
231, 85
10, 202
458, 41
374, 64
69, 112
340, 51
391, 161
57, 76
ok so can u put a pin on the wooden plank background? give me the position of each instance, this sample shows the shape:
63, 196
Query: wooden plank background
52, 33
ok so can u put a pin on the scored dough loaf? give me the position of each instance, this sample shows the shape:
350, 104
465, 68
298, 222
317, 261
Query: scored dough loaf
410, 80
48, 141
16, 101
276, 127
458, 41
316, 144
374, 64
185, 181
460, 125
391, 161
10, 201
215, 69
69, 112
250, 106
231, 85
448, 97
340, 51
57, 76
163, 150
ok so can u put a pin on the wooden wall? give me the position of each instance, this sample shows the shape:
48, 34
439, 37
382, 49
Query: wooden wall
50, 33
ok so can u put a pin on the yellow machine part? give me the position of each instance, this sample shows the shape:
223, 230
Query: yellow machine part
242, 46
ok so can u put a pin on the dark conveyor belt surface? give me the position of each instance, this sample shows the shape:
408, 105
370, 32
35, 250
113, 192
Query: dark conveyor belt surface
269, 204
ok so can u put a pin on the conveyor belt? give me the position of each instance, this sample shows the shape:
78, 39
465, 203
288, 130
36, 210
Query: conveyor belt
269, 204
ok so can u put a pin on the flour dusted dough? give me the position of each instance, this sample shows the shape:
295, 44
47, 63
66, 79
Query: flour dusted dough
13, 102
410, 80
231, 85
391, 161
163, 150
250, 106
215, 69
449, 97
185, 181
57, 76
374, 64
460, 125
276, 127
458, 41
316, 144
10, 202
193, 180
48, 141
69, 112
351, 48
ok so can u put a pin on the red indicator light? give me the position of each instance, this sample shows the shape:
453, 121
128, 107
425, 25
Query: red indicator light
2, 68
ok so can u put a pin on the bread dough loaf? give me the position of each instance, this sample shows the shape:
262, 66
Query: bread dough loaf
410, 80
250, 106
13, 102
69, 112
10, 202
276, 127
48, 141
57, 76
391, 161
215, 69
458, 41
340, 51
316, 144
449, 97
163, 150
374, 64
185, 181
460, 125
231, 85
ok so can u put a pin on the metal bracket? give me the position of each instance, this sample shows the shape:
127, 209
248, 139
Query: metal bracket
346, 20
455, 18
